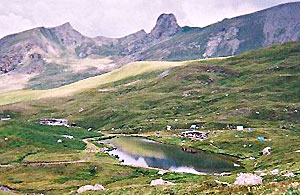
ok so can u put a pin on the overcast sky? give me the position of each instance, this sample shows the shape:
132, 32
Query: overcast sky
116, 18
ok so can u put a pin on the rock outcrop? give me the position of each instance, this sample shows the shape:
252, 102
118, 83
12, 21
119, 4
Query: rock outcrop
248, 179
85, 188
166, 26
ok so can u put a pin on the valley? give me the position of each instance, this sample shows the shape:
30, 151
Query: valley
175, 110
258, 90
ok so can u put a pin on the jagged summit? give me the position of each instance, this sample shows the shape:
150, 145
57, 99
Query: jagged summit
166, 26
68, 35
64, 26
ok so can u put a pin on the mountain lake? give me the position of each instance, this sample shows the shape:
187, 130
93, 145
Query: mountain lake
142, 152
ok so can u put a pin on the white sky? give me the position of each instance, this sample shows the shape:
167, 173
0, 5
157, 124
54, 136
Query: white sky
116, 18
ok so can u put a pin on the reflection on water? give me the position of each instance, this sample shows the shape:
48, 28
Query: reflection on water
141, 152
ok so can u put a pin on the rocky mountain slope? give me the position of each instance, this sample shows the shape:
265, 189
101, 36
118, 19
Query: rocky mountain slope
32, 52
168, 41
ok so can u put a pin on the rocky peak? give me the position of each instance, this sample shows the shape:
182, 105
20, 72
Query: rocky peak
134, 37
140, 33
68, 35
166, 26
64, 27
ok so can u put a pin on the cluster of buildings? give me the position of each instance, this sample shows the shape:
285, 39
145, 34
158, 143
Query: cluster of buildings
195, 134
54, 122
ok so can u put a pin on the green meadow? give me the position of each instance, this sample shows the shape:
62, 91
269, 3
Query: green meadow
259, 90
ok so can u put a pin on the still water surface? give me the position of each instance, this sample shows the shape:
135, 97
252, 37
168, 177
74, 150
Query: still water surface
141, 152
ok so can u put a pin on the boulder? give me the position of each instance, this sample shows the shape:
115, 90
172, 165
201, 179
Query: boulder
161, 172
274, 172
85, 188
157, 182
5, 189
168, 127
248, 179
267, 151
289, 175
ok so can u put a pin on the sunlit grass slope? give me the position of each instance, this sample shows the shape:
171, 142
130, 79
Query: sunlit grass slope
129, 70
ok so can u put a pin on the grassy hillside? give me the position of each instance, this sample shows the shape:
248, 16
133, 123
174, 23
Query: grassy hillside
129, 70
259, 89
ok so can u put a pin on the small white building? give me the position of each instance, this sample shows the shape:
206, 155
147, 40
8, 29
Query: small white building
240, 128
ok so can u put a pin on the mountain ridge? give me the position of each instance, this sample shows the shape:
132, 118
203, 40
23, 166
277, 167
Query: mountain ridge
29, 52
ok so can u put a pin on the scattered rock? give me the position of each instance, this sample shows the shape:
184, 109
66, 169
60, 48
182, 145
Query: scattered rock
164, 74
267, 151
168, 127
160, 182
162, 172
59, 141
260, 173
236, 165
275, 172
222, 183
5, 189
68, 136
248, 179
85, 188
289, 174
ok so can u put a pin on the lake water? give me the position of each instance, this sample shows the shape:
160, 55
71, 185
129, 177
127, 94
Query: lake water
141, 152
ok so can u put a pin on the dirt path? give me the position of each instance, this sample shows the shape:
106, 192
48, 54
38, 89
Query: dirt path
91, 149
54, 163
